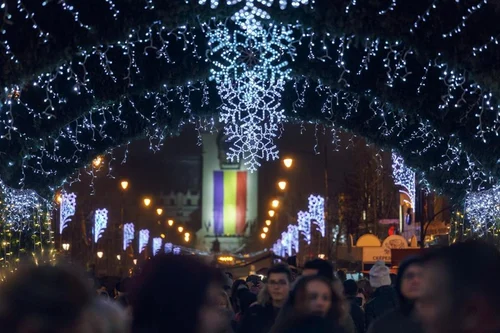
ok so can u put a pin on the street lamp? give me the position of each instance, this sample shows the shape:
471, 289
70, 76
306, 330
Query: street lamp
59, 198
147, 202
275, 203
263, 235
135, 261
100, 254
124, 184
181, 229
271, 213
265, 229
288, 162
97, 161
65, 246
119, 257
170, 223
282, 185
159, 211
162, 236
268, 222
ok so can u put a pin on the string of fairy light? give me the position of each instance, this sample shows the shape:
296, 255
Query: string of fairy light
259, 56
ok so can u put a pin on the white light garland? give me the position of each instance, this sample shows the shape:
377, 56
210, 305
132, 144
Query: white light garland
100, 223
128, 235
67, 209
143, 239
317, 212
483, 211
168, 248
404, 177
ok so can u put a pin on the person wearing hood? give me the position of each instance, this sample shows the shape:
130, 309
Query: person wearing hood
384, 298
408, 288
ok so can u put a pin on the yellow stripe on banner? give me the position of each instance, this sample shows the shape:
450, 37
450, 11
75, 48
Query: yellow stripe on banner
230, 185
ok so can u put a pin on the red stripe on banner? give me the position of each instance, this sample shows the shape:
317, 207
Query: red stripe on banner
241, 202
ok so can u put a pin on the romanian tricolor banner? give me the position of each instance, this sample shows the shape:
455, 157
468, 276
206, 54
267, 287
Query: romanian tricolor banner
230, 202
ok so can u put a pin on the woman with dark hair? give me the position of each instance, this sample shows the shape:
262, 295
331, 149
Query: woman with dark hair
237, 285
312, 297
408, 285
177, 294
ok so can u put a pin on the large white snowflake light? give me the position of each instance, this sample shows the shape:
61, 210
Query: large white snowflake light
168, 248
404, 177
128, 235
293, 234
304, 221
143, 239
483, 210
68, 208
317, 212
156, 245
250, 73
100, 223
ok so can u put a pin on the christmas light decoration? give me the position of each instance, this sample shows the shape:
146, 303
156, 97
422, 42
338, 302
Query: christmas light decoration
128, 235
177, 251
67, 209
156, 245
293, 234
482, 210
143, 239
168, 248
317, 212
304, 222
404, 177
100, 223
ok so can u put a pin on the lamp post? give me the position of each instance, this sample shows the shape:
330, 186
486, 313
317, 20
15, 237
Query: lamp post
124, 186
282, 185
146, 201
65, 247
100, 254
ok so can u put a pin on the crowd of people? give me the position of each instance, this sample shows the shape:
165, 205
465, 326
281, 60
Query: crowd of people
449, 290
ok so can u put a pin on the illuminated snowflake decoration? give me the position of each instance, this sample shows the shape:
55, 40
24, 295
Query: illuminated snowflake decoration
128, 234
278, 248
315, 215
156, 245
100, 223
483, 210
68, 208
177, 250
404, 177
286, 243
250, 73
250, 15
143, 239
169, 247
293, 234
20, 207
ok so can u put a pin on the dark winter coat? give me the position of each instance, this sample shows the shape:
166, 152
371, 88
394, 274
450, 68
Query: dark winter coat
312, 324
357, 314
384, 300
258, 319
395, 322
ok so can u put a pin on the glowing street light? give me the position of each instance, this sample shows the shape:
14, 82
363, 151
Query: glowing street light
147, 202
97, 161
271, 213
275, 203
265, 229
162, 236
263, 235
288, 162
187, 235
268, 222
124, 184
119, 257
100, 254
159, 211
65, 246
170, 223
134, 261
282, 185
180, 229
59, 198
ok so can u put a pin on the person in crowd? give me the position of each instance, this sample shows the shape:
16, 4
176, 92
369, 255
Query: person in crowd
244, 299
313, 296
177, 294
408, 288
261, 317
456, 298
237, 285
365, 291
254, 283
341, 274
355, 310
325, 269
107, 317
384, 298
228, 282
45, 299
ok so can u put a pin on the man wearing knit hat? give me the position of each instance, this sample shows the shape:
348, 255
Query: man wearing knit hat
384, 298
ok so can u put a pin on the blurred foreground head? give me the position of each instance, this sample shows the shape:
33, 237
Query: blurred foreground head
460, 291
44, 299
177, 294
